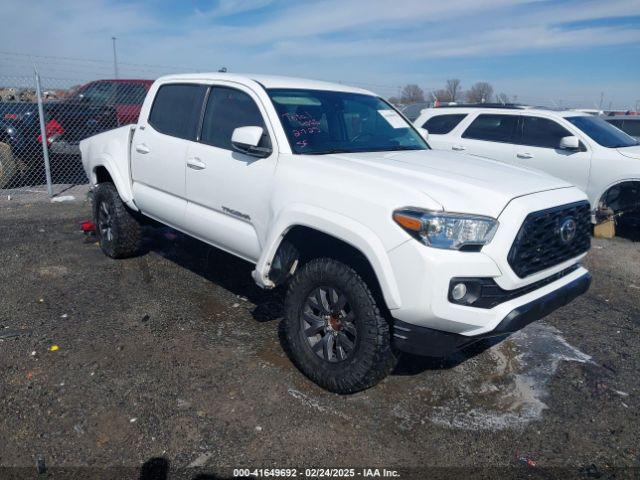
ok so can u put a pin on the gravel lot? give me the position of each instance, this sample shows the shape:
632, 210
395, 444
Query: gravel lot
174, 359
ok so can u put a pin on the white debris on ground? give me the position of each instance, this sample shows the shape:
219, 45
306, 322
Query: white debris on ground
63, 198
513, 394
314, 403
201, 460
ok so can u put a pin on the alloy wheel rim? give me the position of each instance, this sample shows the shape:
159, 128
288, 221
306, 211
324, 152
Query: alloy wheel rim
105, 222
328, 326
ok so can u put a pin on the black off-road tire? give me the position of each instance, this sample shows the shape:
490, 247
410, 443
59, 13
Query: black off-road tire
126, 230
372, 357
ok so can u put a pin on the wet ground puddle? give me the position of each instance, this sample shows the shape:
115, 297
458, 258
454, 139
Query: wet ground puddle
503, 387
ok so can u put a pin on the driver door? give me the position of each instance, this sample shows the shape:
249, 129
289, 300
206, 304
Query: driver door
228, 192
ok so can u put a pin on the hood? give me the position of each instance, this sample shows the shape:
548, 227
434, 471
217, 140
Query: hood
631, 152
458, 182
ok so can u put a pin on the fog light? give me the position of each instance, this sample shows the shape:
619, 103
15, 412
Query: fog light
459, 291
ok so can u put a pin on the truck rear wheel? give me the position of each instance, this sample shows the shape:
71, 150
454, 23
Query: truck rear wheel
334, 330
119, 231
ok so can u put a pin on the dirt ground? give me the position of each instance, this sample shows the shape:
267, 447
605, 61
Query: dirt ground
173, 359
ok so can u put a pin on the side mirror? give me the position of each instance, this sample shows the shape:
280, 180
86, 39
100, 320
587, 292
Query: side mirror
569, 143
424, 133
246, 140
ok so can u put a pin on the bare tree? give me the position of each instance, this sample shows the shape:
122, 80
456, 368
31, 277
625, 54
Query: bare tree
454, 89
394, 100
442, 95
503, 98
480, 92
411, 94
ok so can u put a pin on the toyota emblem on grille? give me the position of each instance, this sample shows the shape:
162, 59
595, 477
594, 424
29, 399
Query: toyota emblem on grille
568, 230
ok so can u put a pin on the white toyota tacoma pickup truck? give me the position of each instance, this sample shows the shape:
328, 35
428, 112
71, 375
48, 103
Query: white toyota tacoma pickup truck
384, 245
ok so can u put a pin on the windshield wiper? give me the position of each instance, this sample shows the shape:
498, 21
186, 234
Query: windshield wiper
368, 150
329, 152
398, 149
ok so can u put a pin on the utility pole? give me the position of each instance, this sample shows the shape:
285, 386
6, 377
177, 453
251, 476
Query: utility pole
115, 58
601, 100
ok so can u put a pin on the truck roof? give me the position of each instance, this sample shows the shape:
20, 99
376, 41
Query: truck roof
268, 81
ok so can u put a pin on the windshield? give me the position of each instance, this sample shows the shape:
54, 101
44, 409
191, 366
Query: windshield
97, 92
602, 132
318, 122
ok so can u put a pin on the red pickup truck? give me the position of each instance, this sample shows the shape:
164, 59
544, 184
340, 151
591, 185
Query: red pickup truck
93, 108
126, 96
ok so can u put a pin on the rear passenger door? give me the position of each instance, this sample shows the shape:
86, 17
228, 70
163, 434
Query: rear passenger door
159, 150
228, 192
490, 135
538, 141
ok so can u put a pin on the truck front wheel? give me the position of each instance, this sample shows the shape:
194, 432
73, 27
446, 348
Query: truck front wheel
119, 231
334, 330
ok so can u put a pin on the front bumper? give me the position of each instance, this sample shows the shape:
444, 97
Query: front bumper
423, 274
430, 342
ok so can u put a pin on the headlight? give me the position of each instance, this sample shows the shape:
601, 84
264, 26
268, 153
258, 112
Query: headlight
446, 230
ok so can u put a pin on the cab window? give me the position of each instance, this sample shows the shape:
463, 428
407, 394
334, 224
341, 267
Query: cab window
176, 110
228, 109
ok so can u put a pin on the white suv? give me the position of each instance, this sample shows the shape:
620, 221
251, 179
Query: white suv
384, 245
582, 149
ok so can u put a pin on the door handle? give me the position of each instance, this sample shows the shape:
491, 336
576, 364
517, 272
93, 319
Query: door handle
142, 148
524, 155
458, 148
196, 163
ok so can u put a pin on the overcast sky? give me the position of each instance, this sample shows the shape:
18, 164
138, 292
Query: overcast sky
544, 51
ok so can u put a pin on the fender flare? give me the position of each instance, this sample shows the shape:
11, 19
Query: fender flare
342, 228
122, 185
110, 150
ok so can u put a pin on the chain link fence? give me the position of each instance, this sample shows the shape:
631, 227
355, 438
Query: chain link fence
43, 120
